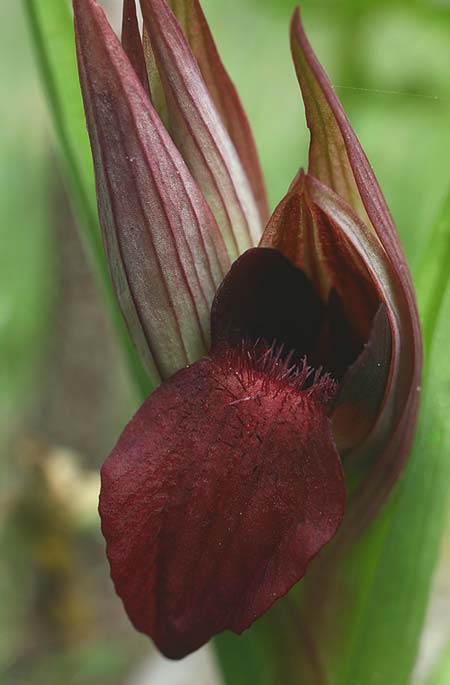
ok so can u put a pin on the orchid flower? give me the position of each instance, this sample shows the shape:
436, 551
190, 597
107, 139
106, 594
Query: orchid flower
287, 348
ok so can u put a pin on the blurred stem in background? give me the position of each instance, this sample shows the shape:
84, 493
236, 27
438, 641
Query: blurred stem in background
51, 24
26, 284
26, 256
389, 63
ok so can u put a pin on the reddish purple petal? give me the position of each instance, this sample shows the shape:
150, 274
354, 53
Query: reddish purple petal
199, 132
164, 248
223, 92
321, 235
157, 94
312, 241
335, 156
132, 43
384, 450
336, 272
338, 161
219, 493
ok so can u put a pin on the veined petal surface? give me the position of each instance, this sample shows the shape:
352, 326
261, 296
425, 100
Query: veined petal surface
223, 92
132, 42
165, 251
219, 493
199, 132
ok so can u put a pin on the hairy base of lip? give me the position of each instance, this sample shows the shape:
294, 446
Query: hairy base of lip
277, 370
219, 492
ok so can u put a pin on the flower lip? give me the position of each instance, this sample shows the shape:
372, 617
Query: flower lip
219, 493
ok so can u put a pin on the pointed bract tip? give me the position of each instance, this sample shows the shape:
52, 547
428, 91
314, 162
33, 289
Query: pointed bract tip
296, 27
83, 10
81, 4
296, 17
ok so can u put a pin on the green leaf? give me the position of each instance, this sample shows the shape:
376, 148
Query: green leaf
441, 672
26, 261
433, 275
53, 37
393, 590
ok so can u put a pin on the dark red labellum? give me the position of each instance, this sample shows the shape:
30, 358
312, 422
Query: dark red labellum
227, 482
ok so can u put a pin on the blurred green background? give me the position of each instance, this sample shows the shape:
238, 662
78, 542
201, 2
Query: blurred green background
64, 391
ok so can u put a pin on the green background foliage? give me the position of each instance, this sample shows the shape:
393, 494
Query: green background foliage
65, 390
